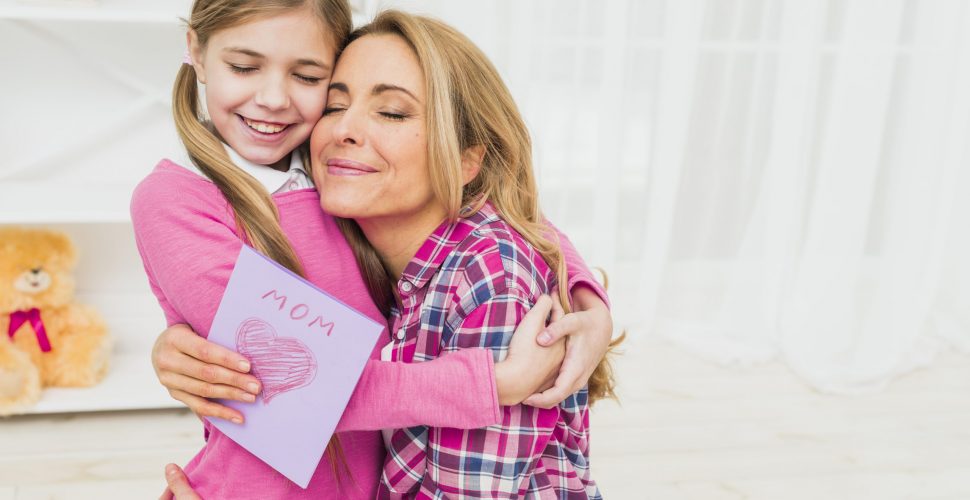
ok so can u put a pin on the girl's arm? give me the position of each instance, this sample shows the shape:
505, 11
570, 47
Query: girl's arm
417, 394
588, 330
189, 252
579, 275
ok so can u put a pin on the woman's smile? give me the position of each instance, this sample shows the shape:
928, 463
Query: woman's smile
341, 166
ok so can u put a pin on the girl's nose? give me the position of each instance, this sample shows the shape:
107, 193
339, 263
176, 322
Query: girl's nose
273, 95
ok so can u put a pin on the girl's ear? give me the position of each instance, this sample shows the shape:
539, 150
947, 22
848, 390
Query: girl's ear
196, 53
471, 163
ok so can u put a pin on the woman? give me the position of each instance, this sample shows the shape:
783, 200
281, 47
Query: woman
423, 154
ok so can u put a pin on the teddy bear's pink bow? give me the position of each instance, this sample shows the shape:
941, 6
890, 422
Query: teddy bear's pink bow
33, 315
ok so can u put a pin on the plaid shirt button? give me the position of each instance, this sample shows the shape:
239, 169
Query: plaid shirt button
406, 286
401, 334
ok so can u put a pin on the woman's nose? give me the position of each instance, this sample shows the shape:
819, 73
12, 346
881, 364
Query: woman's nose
348, 128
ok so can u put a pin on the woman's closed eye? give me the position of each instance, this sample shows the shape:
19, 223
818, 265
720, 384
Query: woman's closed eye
391, 115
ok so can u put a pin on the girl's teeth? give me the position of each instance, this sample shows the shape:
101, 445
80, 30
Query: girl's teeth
264, 127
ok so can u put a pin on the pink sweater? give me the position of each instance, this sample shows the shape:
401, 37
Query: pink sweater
187, 238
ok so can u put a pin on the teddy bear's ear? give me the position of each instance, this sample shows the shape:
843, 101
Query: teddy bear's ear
63, 247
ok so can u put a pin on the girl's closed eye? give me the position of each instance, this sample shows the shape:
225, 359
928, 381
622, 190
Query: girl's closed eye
311, 80
235, 68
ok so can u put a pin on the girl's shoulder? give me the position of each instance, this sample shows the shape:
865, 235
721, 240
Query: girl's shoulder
171, 189
171, 182
170, 178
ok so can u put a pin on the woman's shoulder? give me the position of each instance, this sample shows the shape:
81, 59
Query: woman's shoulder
494, 251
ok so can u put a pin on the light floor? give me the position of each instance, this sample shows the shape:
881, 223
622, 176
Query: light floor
686, 430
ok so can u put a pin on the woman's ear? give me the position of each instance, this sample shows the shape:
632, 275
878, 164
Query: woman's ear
471, 163
196, 53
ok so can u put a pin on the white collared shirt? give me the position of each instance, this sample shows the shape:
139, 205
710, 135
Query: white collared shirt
275, 181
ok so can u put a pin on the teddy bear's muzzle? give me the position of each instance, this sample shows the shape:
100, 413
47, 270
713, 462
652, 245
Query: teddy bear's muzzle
33, 281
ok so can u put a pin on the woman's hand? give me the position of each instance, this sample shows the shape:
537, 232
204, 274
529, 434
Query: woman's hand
588, 331
178, 485
194, 369
529, 367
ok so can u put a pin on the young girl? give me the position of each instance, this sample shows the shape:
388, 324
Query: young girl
265, 65
422, 146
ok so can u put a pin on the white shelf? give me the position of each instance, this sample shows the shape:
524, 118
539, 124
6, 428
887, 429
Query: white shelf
129, 385
50, 203
113, 127
121, 11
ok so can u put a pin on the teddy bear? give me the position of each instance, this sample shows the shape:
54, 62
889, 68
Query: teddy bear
46, 339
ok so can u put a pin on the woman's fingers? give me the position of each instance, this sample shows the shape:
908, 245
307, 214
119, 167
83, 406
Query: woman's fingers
178, 484
205, 408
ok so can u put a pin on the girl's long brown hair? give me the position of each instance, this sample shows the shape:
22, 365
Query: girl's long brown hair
469, 105
256, 215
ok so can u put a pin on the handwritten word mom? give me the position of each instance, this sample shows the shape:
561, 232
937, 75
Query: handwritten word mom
300, 312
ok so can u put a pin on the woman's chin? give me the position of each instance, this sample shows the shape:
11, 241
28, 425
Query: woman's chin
342, 210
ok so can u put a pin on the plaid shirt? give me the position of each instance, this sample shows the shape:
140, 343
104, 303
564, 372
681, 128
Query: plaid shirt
468, 286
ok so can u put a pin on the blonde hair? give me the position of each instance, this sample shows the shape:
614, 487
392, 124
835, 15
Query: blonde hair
255, 213
469, 105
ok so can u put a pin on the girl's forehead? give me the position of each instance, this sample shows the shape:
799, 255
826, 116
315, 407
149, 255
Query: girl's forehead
291, 30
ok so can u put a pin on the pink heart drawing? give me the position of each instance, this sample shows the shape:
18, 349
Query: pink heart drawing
282, 364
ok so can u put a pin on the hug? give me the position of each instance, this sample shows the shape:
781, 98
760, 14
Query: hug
389, 166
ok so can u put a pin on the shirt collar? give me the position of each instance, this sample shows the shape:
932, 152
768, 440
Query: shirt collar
270, 178
440, 244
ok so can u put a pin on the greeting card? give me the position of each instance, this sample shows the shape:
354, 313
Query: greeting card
308, 350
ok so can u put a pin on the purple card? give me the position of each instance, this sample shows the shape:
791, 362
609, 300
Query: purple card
307, 348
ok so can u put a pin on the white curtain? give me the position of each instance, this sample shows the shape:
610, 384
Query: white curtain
762, 179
